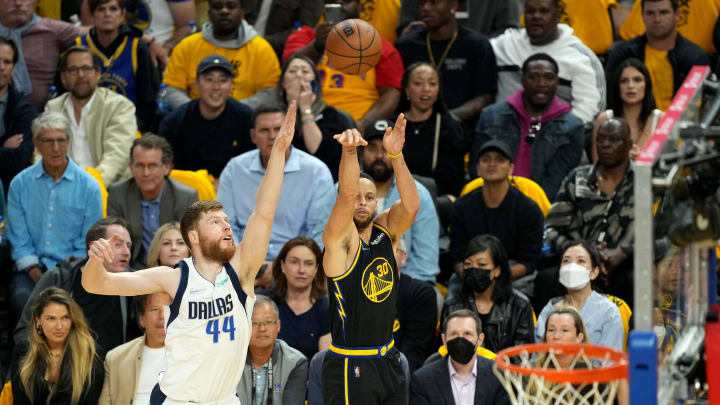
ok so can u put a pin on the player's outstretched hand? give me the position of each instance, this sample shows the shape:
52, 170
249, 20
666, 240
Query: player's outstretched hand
350, 138
394, 138
287, 130
101, 249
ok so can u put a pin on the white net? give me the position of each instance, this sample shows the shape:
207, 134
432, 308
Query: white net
539, 380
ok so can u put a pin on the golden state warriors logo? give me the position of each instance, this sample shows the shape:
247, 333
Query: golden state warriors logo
377, 280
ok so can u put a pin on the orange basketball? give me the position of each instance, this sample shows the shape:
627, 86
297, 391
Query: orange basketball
353, 47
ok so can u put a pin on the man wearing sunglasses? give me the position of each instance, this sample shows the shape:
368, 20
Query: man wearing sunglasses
545, 138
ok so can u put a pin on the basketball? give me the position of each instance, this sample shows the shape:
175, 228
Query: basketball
353, 47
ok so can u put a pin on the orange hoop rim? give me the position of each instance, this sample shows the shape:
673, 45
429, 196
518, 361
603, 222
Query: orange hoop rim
603, 374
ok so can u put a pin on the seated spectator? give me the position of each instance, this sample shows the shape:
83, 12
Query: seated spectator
319, 121
546, 139
464, 375
149, 198
16, 115
630, 96
127, 67
132, 369
307, 193
506, 313
51, 205
58, 362
497, 209
255, 65
107, 316
170, 21
366, 97
421, 242
488, 17
564, 325
223, 122
463, 57
580, 266
300, 293
430, 123
102, 122
167, 247
274, 372
581, 76
275, 20
667, 55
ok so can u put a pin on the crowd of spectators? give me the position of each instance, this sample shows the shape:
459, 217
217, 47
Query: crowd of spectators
523, 121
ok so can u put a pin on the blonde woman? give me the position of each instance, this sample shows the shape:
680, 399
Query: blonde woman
167, 247
60, 364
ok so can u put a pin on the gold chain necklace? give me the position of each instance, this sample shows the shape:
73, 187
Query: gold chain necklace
444, 54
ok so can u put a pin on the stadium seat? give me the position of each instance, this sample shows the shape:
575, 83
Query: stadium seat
103, 190
526, 186
6, 397
625, 313
442, 352
199, 180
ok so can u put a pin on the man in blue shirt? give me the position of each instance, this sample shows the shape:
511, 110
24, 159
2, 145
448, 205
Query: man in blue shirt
307, 192
51, 205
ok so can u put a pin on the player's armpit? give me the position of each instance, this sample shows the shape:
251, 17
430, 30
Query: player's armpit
339, 252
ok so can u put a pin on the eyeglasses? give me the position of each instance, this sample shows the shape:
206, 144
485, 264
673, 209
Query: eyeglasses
74, 70
534, 132
51, 142
264, 323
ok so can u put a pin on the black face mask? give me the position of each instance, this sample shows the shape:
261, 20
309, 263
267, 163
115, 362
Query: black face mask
461, 349
477, 279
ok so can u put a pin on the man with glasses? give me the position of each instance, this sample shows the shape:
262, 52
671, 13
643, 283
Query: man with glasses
102, 122
545, 138
51, 205
149, 198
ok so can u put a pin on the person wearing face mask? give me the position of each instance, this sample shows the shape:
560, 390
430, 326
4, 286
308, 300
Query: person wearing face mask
506, 314
580, 265
464, 378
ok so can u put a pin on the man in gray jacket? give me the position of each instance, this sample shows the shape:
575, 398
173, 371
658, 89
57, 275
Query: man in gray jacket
274, 371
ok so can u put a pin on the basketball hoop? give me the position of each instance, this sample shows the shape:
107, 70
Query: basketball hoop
534, 374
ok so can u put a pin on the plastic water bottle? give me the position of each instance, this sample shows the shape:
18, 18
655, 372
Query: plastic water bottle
546, 243
3, 238
53, 93
193, 27
163, 107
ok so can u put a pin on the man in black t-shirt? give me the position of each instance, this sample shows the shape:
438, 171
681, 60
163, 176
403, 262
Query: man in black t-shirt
463, 56
207, 132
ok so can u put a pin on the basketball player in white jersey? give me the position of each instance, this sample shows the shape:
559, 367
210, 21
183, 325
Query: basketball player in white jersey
210, 294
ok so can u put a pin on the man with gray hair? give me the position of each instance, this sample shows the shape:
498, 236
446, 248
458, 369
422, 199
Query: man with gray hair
51, 205
275, 373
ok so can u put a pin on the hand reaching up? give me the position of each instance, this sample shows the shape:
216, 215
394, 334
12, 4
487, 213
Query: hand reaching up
287, 130
394, 138
101, 249
350, 138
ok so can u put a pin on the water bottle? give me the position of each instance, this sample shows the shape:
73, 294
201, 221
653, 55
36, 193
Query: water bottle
53, 93
3, 238
193, 27
163, 107
546, 243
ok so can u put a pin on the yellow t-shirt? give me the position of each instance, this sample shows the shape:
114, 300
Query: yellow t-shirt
49, 9
696, 21
354, 94
255, 63
383, 15
661, 74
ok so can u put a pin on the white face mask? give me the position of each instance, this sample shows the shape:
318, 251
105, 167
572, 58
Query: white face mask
574, 276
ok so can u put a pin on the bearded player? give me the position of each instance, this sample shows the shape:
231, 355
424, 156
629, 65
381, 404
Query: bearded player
210, 294
363, 367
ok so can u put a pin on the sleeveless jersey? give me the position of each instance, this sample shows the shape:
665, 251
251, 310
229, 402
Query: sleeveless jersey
118, 72
207, 336
363, 300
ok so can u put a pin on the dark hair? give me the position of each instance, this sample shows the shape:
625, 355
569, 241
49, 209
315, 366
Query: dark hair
266, 109
592, 251
5, 40
614, 101
463, 313
94, 4
503, 283
193, 213
673, 4
316, 74
318, 286
152, 141
99, 229
62, 65
366, 176
404, 105
540, 57
140, 303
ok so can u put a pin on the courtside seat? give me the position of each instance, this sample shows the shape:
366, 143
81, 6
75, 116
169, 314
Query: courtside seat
442, 352
526, 186
199, 180
103, 190
625, 314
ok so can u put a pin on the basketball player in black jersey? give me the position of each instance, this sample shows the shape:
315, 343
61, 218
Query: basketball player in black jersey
363, 367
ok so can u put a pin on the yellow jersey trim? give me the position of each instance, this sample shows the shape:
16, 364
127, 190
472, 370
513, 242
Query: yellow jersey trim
347, 398
107, 62
352, 266
134, 54
363, 352
382, 228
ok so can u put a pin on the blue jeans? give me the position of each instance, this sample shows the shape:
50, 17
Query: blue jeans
20, 288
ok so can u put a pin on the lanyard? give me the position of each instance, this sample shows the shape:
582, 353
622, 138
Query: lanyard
269, 384
445, 52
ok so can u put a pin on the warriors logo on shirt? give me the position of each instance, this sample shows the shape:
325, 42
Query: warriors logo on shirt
377, 280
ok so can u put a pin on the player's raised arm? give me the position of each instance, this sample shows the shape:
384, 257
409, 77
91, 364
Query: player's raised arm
402, 213
251, 252
97, 280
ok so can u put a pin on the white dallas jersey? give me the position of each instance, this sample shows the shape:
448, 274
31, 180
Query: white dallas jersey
207, 336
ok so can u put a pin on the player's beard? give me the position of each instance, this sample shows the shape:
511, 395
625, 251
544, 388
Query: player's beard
213, 251
363, 224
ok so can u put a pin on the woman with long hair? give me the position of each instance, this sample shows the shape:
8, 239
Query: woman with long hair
168, 246
506, 314
435, 143
300, 293
60, 363
630, 96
